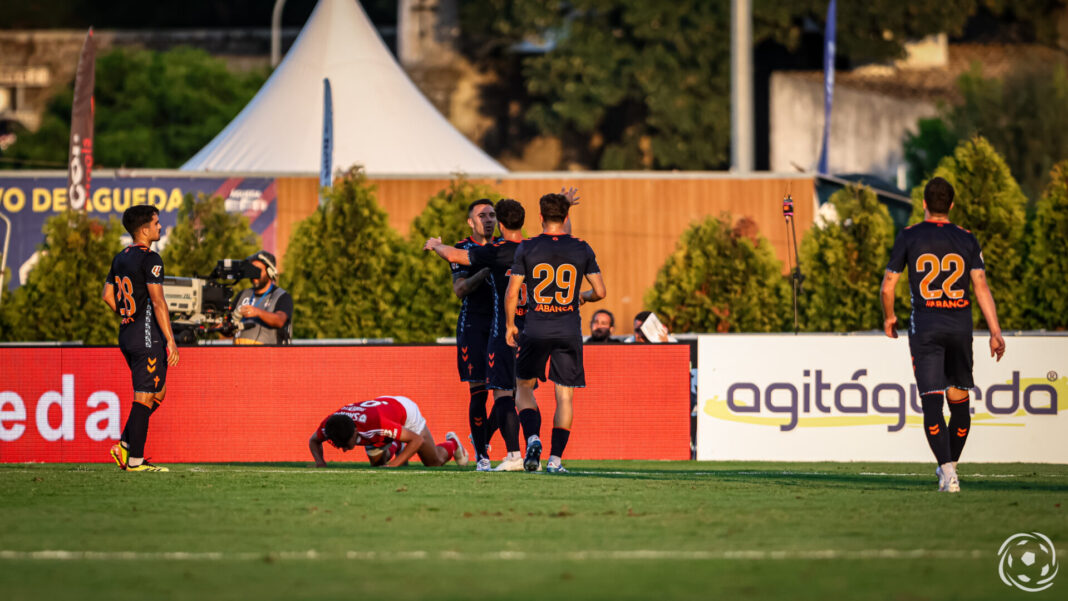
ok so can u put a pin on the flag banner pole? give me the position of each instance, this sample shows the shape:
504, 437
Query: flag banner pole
327, 168
80, 164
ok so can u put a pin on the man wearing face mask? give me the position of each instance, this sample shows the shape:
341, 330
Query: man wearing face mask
265, 310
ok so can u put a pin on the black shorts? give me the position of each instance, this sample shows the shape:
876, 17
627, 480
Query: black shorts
500, 363
565, 367
148, 367
941, 359
472, 341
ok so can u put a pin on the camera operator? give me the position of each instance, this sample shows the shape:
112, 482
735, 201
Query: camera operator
265, 310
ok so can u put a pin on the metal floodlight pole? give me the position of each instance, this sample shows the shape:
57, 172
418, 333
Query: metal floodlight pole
276, 33
3, 257
742, 151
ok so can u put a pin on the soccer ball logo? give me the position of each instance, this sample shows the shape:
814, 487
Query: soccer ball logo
1027, 561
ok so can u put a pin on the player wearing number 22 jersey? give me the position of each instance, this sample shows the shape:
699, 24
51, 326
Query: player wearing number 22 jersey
943, 262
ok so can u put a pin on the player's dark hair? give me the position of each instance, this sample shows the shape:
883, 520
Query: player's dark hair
134, 218
479, 202
611, 318
339, 429
641, 317
939, 195
510, 214
554, 208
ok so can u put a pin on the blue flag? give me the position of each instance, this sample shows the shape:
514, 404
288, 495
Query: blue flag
828, 82
327, 169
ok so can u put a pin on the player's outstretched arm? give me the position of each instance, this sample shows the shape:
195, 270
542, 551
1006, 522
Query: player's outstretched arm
511, 302
597, 290
990, 312
886, 293
163, 318
412, 442
316, 448
109, 297
449, 253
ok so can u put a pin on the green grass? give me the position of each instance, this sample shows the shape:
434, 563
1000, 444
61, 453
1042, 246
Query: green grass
708, 530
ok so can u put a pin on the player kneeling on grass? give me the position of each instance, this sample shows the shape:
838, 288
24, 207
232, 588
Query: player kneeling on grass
390, 428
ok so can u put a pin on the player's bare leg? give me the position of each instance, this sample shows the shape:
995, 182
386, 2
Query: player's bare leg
433, 454
561, 428
530, 420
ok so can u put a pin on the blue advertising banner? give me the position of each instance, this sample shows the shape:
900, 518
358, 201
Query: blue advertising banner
29, 200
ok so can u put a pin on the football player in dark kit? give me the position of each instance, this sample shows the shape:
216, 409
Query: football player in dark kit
134, 290
552, 267
500, 358
942, 259
475, 321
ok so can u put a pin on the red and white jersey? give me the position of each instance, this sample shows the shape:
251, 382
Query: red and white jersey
378, 421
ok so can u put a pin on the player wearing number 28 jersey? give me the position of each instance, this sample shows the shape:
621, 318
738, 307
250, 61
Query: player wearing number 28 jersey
134, 290
943, 261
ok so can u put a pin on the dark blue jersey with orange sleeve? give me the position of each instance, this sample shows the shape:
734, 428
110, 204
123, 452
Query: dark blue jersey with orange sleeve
554, 266
940, 257
499, 257
131, 271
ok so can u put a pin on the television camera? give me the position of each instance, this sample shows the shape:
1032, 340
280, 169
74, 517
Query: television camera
201, 306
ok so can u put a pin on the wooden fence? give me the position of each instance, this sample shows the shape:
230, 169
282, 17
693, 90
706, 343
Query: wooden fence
633, 221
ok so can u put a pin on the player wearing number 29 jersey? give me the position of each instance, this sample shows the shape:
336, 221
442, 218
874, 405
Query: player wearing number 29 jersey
553, 266
943, 261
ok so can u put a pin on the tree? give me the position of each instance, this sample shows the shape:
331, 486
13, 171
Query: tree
1047, 263
434, 306
1022, 116
205, 233
721, 279
61, 297
988, 202
645, 84
346, 268
153, 109
844, 262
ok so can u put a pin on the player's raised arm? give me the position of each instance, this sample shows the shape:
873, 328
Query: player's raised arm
571, 194
890, 279
990, 312
316, 447
597, 290
163, 318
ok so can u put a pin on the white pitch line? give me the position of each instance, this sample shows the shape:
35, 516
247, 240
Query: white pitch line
594, 555
407, 472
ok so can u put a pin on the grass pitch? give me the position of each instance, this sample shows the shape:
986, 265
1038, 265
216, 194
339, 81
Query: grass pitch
608, 530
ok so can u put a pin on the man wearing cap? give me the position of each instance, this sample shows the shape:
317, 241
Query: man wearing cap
265, 310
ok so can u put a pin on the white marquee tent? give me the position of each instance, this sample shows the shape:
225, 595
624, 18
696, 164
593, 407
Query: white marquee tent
381, 120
